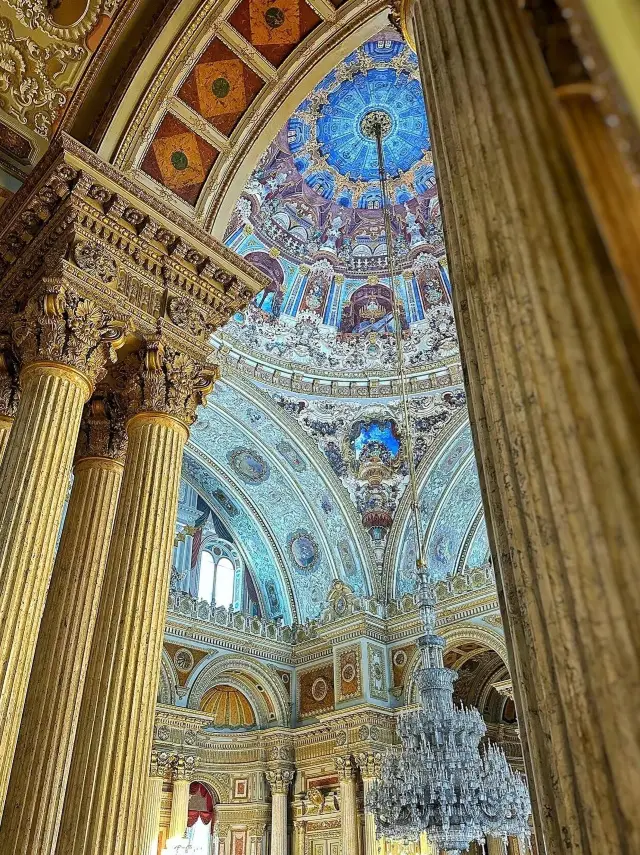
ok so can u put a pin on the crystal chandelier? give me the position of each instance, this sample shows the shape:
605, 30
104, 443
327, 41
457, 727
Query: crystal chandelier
439, 780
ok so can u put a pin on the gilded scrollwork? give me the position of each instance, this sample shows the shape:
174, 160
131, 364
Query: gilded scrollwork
9, 385
40, 15
58, 325
280, 779
160, 379
94, 259
30, 76
102, 430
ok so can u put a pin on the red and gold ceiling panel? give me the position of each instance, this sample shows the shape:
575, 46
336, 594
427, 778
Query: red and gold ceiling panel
179, 159
274, 27
220, 87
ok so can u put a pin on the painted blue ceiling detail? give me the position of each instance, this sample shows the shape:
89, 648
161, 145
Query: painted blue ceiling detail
247, 533
338, 129
449, 502
312, 537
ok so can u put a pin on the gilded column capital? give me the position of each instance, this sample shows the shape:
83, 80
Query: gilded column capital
102, 430
183, 767
160, 379
280, 779
161, 764
59, 326
9, 384
345, 767
370, 763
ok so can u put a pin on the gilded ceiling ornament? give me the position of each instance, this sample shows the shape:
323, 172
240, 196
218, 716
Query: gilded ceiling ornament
186, 313
94, 259
42, 15
29, 76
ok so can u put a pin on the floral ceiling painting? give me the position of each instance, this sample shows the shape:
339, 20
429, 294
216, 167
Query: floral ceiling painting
306, 433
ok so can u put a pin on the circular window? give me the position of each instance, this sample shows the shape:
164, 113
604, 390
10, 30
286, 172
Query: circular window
319, 689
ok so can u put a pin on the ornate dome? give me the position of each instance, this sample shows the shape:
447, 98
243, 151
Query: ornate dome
229, 707
310, 217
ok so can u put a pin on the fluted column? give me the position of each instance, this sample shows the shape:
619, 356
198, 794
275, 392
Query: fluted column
47, 730
59, 339
370, 769
180, 797
300, 830
348, 805
545, 340
279, 780
9, 390
153, 803
614, 197
104, 805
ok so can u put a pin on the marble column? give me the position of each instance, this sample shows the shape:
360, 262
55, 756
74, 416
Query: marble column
151, 822
370, 769
59, 339
348, 805
104, 804
47, 730
545, 341
279, 780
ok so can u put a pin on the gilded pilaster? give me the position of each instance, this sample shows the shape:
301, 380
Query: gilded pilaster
279, 781
546, 341
47, 730
104, 806
62, 342
346, 769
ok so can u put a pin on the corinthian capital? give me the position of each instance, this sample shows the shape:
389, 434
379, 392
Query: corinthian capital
57, 325
160, 379
370, 763
345, 767
280, 779
102, 430
161, 764
9, 386
184, 765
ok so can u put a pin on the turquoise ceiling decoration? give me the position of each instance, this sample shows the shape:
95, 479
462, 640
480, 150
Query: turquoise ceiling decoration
296, 551
339, 134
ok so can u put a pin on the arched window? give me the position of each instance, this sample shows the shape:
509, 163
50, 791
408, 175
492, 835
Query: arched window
224, 582
216, 581
207, 576
201, 818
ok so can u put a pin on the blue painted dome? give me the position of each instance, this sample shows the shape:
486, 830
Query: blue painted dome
325, 133
338, 129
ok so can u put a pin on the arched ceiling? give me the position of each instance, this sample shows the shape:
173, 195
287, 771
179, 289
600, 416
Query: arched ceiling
245, 115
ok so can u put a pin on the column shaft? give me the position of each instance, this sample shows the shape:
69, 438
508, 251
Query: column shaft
104, 805
151, 824
279, 823
34, 475
48, 726
349, 816
179, 809
369, 821
5, 426
545, 339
